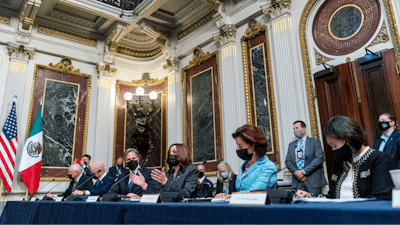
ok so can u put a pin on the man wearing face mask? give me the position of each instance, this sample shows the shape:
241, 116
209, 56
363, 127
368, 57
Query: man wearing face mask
204, 185
116, 170
304, 160
103, 184
389, 142
137, 180
77, 179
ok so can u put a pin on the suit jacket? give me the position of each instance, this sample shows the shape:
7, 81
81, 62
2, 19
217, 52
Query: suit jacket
87, 170
185, 182
232, 185
113, 172
123, 189
86, 186
260, 176
207, 191
314, 158
392, 147
372, 177
102, 186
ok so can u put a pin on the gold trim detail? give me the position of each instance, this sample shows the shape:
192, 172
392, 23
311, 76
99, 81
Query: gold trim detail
319, 58
205, 19
306, 60
382, 36
143, 54
198, 58
255, 28
67, 36
20, 52
5, 20
140, 83
337, 10
66, 67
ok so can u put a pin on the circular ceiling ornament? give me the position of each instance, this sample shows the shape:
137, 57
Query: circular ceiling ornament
343, 26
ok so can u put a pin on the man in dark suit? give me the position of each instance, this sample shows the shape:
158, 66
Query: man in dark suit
78, 181
389, 142
204, 185
137, 180
304, 160
116, 170
104, 183
85, 163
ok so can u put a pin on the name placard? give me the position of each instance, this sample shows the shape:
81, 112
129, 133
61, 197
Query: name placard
248, 198
59, 199
33, 199
396, 198
150, 198
94, 198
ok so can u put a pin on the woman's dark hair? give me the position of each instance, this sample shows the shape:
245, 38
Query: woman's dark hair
392, 117
183, 154
253, 135
346, 129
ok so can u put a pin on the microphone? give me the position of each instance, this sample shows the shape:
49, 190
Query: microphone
274, 173
42, 187
54, 187
120, 180
88, 179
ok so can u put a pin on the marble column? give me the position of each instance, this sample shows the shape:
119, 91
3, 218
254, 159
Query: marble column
104, 137
230, 99
19, 57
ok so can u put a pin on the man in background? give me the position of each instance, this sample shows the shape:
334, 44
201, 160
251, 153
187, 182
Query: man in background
85, 163
116, 170
204, 185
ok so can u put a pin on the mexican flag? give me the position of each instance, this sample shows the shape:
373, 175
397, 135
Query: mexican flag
31, 159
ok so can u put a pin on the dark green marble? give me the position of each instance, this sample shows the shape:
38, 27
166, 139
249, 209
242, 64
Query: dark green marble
346, 22
59, 113
143, 129
260, 92
203, 117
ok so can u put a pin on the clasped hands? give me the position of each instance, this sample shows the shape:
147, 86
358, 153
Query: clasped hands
300, 176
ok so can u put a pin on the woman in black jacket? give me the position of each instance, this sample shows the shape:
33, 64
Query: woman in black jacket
226, 179
182, 175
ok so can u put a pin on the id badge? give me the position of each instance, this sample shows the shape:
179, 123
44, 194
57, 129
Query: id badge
299, 154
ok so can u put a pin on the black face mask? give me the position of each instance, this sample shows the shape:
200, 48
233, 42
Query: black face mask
201, 174
242, 153
85, 163
343, 153
172, 160
119, 165
132, 164
384, 126
70, 176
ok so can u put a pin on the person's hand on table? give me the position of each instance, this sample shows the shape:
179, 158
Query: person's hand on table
78, 192
220, 195
159, 176
302, 193
132, 195
50, 195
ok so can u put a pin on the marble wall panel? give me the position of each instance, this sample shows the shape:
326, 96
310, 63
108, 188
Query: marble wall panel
59, 119
260, 92
203, 133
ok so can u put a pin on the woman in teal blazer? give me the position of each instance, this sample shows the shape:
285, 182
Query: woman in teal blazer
257, 172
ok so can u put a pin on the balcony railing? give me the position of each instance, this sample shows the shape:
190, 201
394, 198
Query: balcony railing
123, 4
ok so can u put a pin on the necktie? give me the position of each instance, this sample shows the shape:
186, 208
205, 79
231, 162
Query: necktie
383, 143
300, 156
130, 186
119, 170
74, 187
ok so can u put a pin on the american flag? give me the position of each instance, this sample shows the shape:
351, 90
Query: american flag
8, 148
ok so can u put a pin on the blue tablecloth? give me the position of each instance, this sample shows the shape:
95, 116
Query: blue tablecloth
371, 212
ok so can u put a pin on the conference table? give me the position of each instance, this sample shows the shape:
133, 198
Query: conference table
44, 212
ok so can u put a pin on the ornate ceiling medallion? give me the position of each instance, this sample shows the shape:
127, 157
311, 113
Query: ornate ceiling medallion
341, 27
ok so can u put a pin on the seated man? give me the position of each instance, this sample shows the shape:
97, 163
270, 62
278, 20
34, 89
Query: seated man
139, 182
85, 163
204, 185
79, 181
116, 170
103, 184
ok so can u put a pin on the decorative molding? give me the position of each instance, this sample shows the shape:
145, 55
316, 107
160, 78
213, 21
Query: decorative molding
28, 13
140, 83
254, 29
164, 17
67, 36
382, 36
198, 58
189, 9
20, 52
65, 67
276, 9
106, 70
153, 31
81, 21
5, 20
393, 30
319, 58
137, 38
226, 34
142, 54
172, 65
114, 36
205, 19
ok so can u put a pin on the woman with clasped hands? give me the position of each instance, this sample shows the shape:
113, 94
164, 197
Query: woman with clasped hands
358, 171
257, 172
181, 176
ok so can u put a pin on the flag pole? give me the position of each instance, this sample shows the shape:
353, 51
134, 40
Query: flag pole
26, 194
1, 189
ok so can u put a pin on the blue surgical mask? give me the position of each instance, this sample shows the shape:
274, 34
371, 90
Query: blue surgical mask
224, 175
